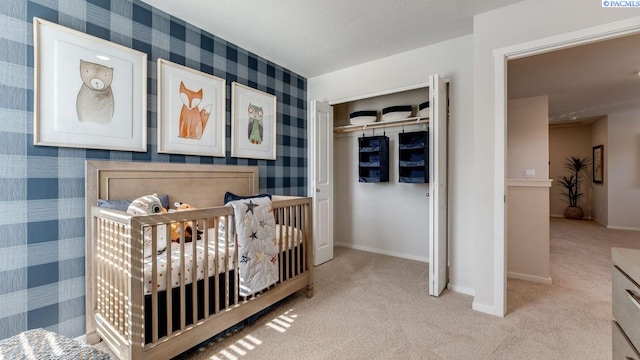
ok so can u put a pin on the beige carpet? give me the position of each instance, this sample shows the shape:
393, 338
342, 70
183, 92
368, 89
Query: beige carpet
370, 306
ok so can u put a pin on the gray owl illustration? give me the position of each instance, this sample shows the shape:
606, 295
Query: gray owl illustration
256, 129
95, 99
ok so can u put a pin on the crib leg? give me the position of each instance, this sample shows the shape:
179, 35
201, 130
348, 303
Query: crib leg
309, 291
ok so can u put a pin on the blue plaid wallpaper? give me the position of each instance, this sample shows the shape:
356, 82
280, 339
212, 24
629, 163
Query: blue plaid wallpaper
42, 188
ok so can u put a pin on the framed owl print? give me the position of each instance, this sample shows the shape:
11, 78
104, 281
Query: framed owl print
191, 111
88, 92
253, 123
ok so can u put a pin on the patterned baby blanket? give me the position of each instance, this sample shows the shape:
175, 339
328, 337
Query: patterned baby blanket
257, 244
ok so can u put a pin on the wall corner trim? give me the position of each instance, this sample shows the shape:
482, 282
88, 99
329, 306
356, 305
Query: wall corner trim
461, 289
614, 227
487, 309
538, 279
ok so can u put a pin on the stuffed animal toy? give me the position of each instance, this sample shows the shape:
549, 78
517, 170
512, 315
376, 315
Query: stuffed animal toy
175, 227
145, 205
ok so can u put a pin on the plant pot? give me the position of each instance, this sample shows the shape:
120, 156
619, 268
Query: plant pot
574, 213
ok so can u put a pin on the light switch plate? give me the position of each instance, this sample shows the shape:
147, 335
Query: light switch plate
529, 173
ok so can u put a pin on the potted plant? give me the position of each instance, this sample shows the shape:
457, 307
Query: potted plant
572, 186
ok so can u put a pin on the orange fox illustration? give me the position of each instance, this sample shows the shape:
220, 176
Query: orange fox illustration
193, 120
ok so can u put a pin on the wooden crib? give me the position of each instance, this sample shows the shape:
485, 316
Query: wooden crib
134, 303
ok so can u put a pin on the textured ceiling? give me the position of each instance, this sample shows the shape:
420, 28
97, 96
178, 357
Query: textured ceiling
582, 82
314, 37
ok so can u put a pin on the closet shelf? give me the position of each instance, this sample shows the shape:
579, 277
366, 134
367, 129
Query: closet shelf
381, 124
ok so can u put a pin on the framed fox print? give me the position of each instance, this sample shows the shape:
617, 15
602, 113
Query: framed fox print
253, 123
88, 92
191, 111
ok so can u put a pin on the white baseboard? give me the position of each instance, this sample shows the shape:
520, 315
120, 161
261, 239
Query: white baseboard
613, 227
599, 222
562, 215
382, 252
538, 279
487, 309
461, 289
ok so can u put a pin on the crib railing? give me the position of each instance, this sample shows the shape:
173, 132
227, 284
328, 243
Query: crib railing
118, 270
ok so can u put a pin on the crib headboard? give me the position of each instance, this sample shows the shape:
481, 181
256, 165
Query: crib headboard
199, 185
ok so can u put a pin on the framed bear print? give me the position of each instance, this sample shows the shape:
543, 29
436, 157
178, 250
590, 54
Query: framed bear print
191, 111
88, 92
253, 123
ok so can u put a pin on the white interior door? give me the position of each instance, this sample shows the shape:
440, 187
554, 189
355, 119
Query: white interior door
438, 237
321, 179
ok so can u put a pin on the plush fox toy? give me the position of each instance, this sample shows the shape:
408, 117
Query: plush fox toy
175, 227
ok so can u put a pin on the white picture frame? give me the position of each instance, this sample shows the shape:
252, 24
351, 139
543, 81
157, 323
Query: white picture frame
191, 111
247, 140
88, 92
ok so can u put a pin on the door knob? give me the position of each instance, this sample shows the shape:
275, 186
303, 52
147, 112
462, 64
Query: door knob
317, 190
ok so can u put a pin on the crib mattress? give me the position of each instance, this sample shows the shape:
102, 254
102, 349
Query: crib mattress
291, 237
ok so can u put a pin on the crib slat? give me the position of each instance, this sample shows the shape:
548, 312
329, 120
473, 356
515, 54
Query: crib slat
121, 270
296, 239
154, 284
287, 219
117, 276
194, 270
308, 230
110, 275
216, 254
226, 264
183, 315
99, 257
280, 243
302, 244
205, 266
235, 263
126, 234
168, 281
105, 272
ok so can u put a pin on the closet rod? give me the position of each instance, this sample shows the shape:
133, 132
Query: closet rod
381, 124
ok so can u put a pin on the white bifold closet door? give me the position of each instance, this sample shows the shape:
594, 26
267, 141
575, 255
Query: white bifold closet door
438, 221
321, 179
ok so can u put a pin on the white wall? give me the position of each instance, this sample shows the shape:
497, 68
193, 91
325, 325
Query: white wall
516, 24
622, 164
600, 192
565, 142
528, 137
528, 255
453, 60
528, 194
387, 218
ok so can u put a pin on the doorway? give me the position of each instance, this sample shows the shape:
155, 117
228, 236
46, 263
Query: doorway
501, 58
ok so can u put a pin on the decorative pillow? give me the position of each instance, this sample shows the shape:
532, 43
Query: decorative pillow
232, 197
145, 205
123, 205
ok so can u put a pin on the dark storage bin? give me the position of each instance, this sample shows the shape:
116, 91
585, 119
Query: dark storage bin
373, 159
413, 157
